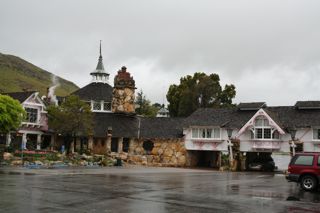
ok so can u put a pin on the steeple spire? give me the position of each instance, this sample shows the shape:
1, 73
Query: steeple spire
99, 75
100, 50
100, 66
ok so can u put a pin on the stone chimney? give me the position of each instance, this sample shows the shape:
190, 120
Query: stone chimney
123, 92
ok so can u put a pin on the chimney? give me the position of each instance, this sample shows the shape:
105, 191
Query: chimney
123, 92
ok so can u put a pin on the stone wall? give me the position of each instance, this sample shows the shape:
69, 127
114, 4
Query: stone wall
166, 152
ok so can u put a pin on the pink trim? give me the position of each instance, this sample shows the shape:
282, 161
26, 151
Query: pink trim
251, 123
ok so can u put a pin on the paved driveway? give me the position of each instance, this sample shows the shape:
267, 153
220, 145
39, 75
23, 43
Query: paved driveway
150, 190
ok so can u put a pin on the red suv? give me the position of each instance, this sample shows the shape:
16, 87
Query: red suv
304, 168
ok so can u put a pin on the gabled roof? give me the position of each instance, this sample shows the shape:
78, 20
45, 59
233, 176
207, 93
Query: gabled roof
307, 105
20, 96
261, 112
284, 116
95, 91
161, 127
228, 117
251, 105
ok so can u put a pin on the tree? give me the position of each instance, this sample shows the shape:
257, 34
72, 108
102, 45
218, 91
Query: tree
71, 119
199, 90
11, 114
144, 106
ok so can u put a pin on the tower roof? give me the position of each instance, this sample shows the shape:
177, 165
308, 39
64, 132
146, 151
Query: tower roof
100, 66
99, 75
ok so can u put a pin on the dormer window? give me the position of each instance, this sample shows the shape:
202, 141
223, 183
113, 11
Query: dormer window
96, 106
100, 106
263, 130
32, 115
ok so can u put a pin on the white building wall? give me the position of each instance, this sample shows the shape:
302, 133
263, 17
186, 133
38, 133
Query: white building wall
206, 144
306, 136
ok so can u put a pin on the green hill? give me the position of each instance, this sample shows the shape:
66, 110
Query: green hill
19, 75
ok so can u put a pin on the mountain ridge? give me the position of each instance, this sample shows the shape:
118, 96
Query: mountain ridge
19, 75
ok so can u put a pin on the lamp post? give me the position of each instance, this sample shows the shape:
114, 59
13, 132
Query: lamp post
293, 132
229, 143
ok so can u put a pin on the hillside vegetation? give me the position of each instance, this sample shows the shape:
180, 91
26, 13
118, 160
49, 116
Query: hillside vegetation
17, 75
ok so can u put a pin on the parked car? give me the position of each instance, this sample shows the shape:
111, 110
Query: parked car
268, 166
304, 168
261, 162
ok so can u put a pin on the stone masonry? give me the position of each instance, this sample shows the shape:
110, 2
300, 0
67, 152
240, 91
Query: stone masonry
166, 152
123, 92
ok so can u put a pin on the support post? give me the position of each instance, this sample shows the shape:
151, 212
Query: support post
120, 144
38, 141
293, 146
230, 152
90, 143
24, 141
8, 139
131, 146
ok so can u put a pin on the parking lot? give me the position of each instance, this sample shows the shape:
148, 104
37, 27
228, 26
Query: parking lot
150, 190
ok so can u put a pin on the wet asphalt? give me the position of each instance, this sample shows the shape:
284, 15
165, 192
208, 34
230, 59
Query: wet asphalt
150, 190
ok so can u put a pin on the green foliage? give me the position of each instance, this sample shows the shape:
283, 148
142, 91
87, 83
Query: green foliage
72, 118
199, 90
18, 74
11, 114
144, 106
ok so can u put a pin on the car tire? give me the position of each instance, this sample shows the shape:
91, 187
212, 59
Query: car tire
308, 183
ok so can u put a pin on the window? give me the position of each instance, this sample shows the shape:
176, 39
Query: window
316, 134
258, 133
304, 160
275, 134
96, 105
267, 133
107, 106
32, 115
319, 161
194, 133
101, 106
263, 130
208, 133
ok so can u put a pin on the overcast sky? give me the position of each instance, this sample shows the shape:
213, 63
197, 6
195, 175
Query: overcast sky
270, 50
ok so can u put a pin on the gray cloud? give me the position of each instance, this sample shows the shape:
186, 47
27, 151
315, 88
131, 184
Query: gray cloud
268, 49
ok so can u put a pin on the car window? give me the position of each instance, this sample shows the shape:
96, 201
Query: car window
319, 161
304, 160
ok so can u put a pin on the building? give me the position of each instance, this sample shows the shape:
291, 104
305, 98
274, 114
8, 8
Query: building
245, 131
33, 132
199, 140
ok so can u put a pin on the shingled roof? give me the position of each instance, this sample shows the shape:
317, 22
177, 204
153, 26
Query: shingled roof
308, 104
95, 91
285, 116
251, 105
20, 96
122, 125
161, 127
229, 117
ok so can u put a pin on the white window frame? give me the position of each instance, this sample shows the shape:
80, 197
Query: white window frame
206, 129
263, 127
101, 106
315, 128
38, 115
